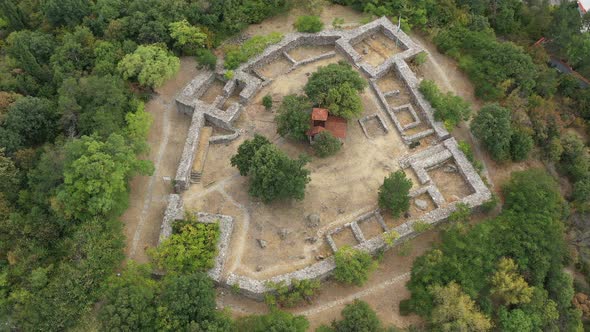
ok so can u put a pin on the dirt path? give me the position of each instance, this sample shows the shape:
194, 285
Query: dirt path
148, 193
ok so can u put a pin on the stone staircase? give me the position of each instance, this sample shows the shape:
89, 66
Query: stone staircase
201, 156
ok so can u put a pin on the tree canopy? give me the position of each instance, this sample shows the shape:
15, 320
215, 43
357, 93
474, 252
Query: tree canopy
394, 193
293, 118
151, 65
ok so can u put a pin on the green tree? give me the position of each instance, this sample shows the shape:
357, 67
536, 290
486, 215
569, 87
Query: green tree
151, 65
74, 55
275, 321
508, 285
325, 144
129, 300
65, 12
521, 144
32, 121
448, 108
273, 175
344, 101
194, 248
515, 321
332, 76
533, 191
293, 118
492, 126
353, 266
456, 311
358, 316
206, 58
187, 37
187, 302
394, 193
246, 151
96, 175
267, 102
308, 24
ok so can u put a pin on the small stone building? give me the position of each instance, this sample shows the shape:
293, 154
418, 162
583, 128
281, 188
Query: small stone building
321, 120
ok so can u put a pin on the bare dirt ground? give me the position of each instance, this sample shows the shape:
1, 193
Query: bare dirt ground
358, 168
376, 49
222, 189
148, 193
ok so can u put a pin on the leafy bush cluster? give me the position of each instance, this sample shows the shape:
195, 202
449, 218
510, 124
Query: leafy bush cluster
308, 24
506, 271
353, 266
273, 175
336, 87
134, 301
191, 247
250, 48
293, 295
206, 58
504, 141
394, 193
356, 316
293, 117
448, 108
325, 144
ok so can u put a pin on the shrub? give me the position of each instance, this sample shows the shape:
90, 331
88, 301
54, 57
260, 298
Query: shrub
325, 144
334, 74
337, 22
448, 108
206, 58
394, 193
420, 58
290, 296
358, 316
421, 226
250, 48
229, 75
468, 152
192, 249
390, 237
492, 126
293, 117
353, 266
308, 24
267, 102
461, 214
521, 144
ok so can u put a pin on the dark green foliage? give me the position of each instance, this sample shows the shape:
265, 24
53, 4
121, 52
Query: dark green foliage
448, 108
492, 126
29, 122
336, 85
250, 48
394, 193
575, 160
273, 175
206, 58
309, 24
129, 301
293, 295
243, 159
293, 117
275, 321
188, 300
528, 231
65, 12
353, 266
325, 144
521, 144
267, 102
358, 316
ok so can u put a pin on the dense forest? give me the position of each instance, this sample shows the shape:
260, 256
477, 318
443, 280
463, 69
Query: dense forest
74, 76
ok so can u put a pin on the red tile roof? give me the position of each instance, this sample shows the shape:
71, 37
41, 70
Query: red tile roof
319, 114
337, 126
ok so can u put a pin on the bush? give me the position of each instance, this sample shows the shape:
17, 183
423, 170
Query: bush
332, 75
468, 152
448, 108
276, 320
308, 24
325, 144
521, 144
492, 126
192, 249
250, 48
267, 102
293, 119
421, 226
206, 58
358, 316
337, 22
290, 296
353, 266
394, 193
229, 74
420, 58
